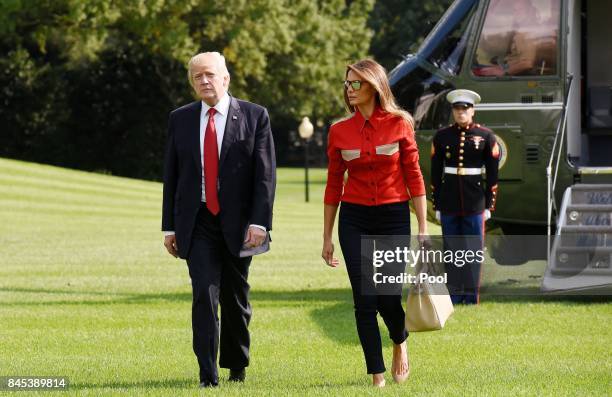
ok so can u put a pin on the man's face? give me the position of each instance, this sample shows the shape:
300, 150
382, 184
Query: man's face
208, 81
463, 115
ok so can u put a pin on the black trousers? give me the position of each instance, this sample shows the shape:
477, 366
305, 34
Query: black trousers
354, 221
218, 277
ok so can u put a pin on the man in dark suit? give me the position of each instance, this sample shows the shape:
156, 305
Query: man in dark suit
219, 183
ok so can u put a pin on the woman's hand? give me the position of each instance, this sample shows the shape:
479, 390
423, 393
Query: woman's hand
424, 240
329, 214
328, 253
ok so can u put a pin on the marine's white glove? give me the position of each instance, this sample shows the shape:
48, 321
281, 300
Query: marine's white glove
438, 216
487, 215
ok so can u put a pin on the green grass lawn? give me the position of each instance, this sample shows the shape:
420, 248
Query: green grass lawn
87, 291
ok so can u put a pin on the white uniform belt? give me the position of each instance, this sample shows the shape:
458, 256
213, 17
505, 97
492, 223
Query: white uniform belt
463, 171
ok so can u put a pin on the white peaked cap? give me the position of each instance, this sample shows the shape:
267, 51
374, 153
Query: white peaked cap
465, 96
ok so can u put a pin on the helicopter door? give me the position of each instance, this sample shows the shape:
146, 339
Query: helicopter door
597, 111
515, 68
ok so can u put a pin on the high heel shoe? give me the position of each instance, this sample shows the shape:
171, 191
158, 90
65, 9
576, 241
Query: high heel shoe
401, 378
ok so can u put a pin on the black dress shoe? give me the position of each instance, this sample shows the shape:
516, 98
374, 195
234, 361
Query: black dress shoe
237, 375
204, 385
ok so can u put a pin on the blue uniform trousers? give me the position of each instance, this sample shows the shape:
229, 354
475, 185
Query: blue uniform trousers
463, 277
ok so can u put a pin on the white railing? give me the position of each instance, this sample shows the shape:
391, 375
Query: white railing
555, 157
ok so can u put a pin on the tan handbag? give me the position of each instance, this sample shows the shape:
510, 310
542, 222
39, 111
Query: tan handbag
428, 305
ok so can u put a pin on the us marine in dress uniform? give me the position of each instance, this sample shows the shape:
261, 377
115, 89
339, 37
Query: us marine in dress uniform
462, 196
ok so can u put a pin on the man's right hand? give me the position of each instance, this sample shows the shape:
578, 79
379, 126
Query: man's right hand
170, 244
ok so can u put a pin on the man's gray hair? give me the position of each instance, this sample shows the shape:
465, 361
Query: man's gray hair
216, 55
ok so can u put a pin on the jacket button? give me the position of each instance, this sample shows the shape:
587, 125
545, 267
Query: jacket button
460, 164
460, 157
461, 150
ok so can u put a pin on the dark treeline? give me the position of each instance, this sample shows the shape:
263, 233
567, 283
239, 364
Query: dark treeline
89, 84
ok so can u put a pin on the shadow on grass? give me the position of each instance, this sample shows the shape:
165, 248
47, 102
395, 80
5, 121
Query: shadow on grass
299, 297
341, 296
337, 321
331, 309
109, 297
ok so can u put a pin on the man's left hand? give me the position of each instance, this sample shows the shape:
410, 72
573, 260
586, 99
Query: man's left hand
255, 237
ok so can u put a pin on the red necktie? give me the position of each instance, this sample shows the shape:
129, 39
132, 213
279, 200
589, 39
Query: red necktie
211, 164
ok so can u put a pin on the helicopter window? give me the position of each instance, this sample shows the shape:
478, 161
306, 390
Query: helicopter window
432, 110
448, 55
424, 95
519, 38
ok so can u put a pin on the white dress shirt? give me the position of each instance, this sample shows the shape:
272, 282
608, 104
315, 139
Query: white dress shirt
220, 119
222, 108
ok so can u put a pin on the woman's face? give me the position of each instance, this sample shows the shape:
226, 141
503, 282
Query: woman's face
363, 95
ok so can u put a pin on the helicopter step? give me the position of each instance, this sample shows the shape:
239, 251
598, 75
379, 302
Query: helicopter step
594, 176
581, 255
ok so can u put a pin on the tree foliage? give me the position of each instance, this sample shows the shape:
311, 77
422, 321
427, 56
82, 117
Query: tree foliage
89, 83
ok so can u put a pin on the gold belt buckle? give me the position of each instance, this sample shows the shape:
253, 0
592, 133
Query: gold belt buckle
461, 171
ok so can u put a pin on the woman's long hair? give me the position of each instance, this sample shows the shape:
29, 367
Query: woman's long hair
372, 72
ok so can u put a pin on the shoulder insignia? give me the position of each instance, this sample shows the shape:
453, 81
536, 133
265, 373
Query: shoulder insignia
495, 151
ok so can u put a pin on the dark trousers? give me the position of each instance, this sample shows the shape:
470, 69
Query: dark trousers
354, 221
218, 277
463, 282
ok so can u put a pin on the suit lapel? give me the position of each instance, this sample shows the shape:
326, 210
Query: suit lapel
232, 128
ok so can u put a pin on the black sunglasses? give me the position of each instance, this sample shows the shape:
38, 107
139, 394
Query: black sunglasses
355, 84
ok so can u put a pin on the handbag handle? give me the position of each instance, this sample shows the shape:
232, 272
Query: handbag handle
422, 267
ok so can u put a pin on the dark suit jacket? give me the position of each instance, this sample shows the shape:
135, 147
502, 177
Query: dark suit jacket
247, 173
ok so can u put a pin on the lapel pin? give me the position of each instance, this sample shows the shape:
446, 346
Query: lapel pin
234, 118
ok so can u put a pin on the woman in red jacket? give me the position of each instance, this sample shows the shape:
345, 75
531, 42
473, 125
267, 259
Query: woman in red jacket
376, 145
